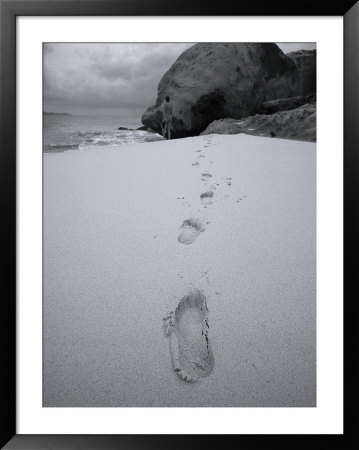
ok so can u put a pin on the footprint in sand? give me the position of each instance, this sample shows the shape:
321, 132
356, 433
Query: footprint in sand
207, 198
195, 163
187, 326
190, 229
198, 151
206, 176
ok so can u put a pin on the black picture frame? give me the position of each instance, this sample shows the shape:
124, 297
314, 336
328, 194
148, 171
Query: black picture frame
9, 10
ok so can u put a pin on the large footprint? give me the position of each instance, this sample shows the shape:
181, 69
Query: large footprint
190, 229
191, 352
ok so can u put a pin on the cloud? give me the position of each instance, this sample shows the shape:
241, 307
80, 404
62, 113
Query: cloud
287, 47
84, 76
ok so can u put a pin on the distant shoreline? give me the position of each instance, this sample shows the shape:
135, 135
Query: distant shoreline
56, 114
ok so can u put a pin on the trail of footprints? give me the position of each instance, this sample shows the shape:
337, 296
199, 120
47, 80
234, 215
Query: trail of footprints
187, 326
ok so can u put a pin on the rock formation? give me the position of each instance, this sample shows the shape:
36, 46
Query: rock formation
285, 104
306, 62
213, 81
299, 123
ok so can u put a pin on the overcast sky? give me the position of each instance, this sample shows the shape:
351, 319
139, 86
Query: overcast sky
110, 79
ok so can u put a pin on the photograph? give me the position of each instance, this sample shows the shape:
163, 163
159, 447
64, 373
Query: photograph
179, 224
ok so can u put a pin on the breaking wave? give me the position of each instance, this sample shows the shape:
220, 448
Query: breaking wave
100, 139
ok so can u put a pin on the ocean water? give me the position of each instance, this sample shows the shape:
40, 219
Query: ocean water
69, 132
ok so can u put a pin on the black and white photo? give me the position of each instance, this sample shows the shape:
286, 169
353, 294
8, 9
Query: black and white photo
179, 224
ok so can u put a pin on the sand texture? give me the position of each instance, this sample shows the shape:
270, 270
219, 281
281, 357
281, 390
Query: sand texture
114, 266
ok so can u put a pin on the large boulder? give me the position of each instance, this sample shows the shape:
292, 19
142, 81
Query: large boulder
299, 123
213, 81
306, 62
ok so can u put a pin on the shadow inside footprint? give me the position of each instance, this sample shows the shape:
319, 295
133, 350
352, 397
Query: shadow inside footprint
190, 229
207, 198
191, 352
